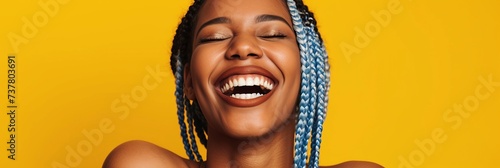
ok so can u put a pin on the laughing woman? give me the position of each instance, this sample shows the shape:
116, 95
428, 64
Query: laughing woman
252, 81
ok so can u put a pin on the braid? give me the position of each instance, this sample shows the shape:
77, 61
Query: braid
308, 17
313, 97
322, 84
200, 124
179, 94
301, 129
314, 86
183, 36
181, 51
194, 147
313, 83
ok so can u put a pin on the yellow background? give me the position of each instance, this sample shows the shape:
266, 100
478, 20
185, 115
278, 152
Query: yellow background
394, 92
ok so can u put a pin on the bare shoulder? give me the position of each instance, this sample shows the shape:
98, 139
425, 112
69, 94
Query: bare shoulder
355, 164
144, 154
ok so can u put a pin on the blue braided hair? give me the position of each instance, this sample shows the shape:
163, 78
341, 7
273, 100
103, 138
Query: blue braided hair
314, 85
313, 96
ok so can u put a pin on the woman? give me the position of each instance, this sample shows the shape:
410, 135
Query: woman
253, 76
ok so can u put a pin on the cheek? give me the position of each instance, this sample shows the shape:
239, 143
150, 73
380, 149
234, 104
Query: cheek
203, 63
288, 61
290, 65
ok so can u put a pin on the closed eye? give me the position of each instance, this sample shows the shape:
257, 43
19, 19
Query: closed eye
212, 39
272, 36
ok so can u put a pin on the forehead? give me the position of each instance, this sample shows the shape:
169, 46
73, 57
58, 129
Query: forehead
241, 9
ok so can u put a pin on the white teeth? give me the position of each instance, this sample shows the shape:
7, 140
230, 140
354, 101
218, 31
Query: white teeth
241, 82
235, 83
246, 95
246, 81
249, 82
229, 86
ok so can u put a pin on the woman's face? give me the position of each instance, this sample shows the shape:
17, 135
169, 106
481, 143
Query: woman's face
245, 67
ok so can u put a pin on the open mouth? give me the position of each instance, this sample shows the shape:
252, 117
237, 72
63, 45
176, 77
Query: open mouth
249, 86
246, 86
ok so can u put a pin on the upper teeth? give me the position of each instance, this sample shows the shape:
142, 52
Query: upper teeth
247, 81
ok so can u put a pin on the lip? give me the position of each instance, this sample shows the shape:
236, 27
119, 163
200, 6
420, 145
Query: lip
245, 70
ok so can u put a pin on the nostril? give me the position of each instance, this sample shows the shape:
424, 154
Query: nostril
242, 47
235, 56
239, 56
253, 54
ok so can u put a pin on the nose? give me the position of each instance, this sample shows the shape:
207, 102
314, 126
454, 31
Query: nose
242, 47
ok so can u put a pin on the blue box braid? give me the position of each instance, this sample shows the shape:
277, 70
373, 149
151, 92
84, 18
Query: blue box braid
181, 53
314, 86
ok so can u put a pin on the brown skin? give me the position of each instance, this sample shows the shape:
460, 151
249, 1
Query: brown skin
260, 135
135, 154
244, 42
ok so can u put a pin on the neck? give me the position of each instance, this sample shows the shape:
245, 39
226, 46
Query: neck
274, 149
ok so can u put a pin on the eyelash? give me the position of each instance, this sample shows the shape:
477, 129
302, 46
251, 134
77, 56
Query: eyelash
275, 35
214, 39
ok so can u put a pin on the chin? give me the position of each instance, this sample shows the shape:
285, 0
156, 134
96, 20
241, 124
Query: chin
251, 124
244, 134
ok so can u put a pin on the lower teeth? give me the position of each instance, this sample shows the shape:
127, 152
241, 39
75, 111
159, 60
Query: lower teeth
246, 95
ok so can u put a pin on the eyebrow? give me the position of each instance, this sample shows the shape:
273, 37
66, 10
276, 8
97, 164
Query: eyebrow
258, 19
266, 17
218, 20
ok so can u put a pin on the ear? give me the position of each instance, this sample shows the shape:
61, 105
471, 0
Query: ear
188, 83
